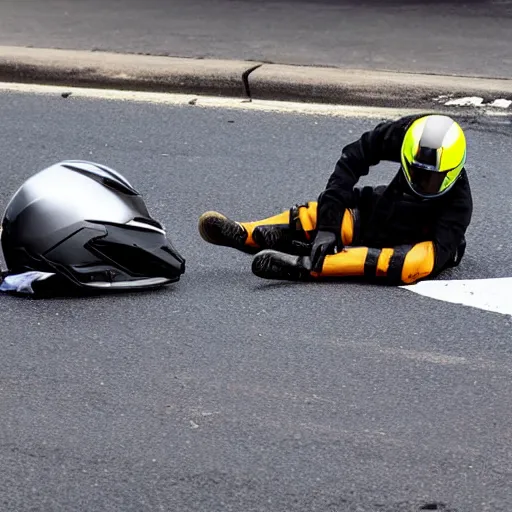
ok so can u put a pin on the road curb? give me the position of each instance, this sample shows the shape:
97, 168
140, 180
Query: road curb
375, 88
123, 71
241, 78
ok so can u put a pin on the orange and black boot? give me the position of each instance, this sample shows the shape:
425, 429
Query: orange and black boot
287, 231
217, 229
270, 264
282, 239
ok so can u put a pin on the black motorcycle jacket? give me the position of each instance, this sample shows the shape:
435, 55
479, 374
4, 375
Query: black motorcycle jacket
392, 215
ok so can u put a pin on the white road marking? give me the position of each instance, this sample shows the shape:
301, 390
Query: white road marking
501, 103
215, 102
487, 294
470, 101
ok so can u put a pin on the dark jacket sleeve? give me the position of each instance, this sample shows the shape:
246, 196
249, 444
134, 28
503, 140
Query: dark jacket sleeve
452, 221
384, 142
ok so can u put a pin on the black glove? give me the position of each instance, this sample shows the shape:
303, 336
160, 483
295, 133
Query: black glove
324, 244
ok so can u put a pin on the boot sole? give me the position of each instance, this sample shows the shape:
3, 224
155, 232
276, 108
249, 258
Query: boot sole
226, 241
203, 232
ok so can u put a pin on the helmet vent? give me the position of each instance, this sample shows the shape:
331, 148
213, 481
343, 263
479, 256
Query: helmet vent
146, 220
112, 183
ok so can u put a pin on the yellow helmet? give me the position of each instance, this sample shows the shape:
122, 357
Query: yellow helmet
433, 155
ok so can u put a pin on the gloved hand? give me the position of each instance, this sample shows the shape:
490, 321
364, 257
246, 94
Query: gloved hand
324, 244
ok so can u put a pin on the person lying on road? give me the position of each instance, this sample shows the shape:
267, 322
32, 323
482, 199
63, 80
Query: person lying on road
397, 234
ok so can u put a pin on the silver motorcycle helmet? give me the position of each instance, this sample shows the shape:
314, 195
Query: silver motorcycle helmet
85, 222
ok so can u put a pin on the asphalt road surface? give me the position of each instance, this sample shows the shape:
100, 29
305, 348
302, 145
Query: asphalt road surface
226, 392
471, 38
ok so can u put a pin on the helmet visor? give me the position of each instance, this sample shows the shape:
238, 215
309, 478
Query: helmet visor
425, 182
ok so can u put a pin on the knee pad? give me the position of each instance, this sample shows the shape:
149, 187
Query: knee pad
404, 264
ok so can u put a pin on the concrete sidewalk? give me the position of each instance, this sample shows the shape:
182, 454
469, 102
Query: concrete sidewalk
242, 79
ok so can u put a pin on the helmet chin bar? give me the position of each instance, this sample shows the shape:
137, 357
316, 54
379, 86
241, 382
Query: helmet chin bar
117, 257
141, 283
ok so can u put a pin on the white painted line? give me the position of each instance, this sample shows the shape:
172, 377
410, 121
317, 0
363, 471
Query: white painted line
501, 103
470, 101
175, 99
474, 101
487, 294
